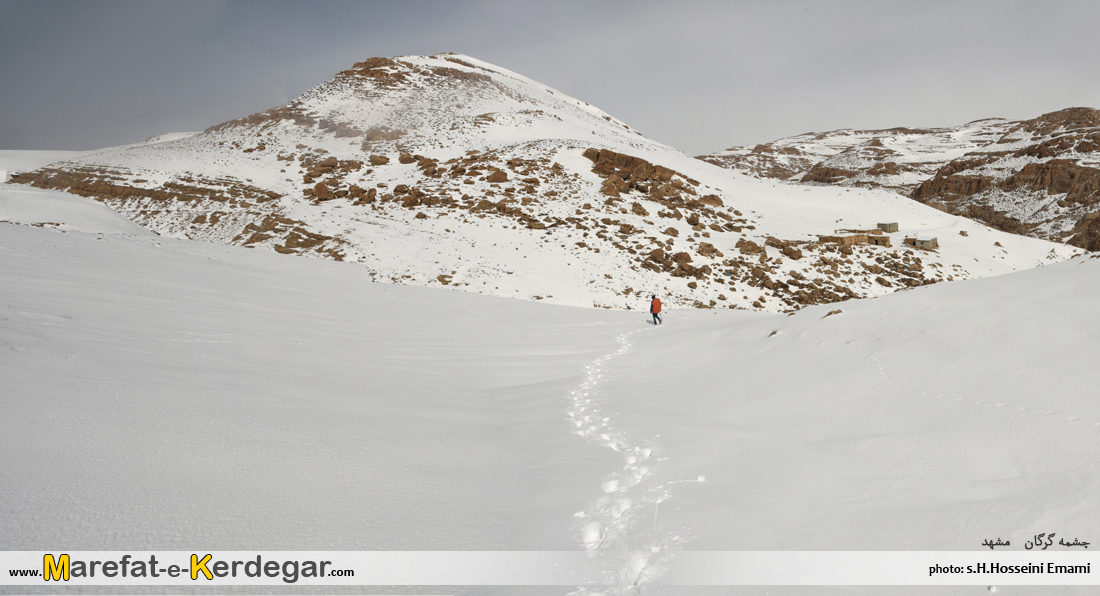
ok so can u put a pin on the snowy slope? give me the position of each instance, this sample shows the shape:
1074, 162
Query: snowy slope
1039, 177
445, 170
41, 208
15, 162
302, 405
929, 419
852, 155
149, 381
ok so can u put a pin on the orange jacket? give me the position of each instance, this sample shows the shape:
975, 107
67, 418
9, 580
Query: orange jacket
655, 306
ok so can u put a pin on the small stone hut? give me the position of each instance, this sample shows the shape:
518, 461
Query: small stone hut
925, 244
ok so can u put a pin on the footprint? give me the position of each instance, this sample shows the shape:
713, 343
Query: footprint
630, 574
620, 507
593, 533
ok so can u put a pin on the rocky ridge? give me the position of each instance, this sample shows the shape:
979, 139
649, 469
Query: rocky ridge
444, 170
1038, 177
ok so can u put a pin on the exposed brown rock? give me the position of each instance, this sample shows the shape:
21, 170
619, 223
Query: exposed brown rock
995, 219
707, 250
382, 133
681, 258
1086, 232
748, 247
827, 175
1069, 118
1057, 176
322, 192
792, 252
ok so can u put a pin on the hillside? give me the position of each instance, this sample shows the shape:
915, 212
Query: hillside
166, 393
1038, 177
444, 170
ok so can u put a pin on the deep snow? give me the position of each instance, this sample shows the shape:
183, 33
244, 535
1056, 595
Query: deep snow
164, 394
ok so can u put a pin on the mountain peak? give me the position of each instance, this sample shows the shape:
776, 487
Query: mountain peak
443, 101
445, 170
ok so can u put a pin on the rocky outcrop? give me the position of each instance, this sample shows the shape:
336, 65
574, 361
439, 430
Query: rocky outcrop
1079, 184
826, 175
1086, 232
1035, 177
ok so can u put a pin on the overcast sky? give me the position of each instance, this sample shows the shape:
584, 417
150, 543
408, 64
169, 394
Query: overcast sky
701, 76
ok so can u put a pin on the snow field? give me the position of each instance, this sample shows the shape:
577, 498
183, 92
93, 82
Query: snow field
160, 394
926, 420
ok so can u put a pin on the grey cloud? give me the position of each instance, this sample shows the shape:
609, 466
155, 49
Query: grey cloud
698, 75
12, 136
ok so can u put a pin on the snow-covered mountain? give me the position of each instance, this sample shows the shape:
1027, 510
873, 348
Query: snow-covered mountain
445, 170
1038, 177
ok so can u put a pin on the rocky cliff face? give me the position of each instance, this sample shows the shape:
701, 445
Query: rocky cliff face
1038, 177
444, 170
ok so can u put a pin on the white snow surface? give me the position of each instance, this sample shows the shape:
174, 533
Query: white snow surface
13, 161
37, 207
162, 394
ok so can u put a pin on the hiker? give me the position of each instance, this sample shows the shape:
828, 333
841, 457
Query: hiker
655, 309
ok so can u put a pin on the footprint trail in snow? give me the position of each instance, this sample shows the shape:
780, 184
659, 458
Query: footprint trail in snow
621, 525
